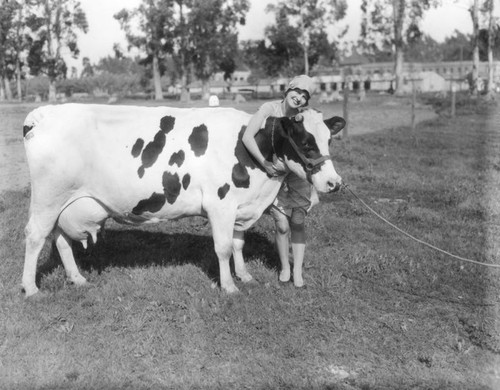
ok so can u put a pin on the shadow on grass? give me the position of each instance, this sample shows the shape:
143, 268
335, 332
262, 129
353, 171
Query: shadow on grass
140, 248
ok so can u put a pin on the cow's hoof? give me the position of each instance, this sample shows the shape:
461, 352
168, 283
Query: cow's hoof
29, 292
231, 289
245, 278
37, 297
79, 281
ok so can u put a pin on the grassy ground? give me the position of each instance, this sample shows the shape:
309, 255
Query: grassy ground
379, 312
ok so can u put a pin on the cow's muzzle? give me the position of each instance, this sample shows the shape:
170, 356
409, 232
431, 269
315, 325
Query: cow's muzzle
334, 186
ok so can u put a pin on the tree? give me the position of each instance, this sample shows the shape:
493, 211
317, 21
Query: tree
213, 37
423, 48
87, 68
389, 23
457, 47
284, 49
156, 26
281, 53
474, 11
310, 17
493, 30
7, 12
54, 24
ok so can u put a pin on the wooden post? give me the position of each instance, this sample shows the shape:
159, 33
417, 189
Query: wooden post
345, 131
413, 104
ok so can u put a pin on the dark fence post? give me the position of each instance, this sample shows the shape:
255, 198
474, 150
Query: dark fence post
345, 131
413, 104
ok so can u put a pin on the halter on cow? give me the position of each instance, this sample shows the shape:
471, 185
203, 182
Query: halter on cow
141, 165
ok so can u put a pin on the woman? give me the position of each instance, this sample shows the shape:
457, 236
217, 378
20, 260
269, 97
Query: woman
294, 199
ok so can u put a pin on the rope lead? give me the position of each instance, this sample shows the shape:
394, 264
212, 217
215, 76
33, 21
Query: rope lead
345, 186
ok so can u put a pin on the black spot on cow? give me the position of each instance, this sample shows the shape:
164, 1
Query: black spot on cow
177, 158
26, 130
222, 191
153, 149
186, 179
153, 204
242, 154
167, 123
171, 186
137, 148
240, 176
199, 140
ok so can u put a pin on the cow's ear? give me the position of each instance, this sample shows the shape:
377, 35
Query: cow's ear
335, 124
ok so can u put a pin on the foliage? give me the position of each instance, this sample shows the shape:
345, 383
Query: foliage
378, 21
156, 24
38, 85
212, 35
284, 50
309, 18
149, 27
281, 53
8, 12
54, 25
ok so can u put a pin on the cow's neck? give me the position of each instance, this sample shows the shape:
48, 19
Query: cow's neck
270, 138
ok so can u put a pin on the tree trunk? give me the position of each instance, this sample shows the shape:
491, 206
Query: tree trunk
305, 42
185, 96
18, 81
52, 91
399, 13
491, 42
157, 78
8, 91
2, 89
205, 89
306, 60
475, 48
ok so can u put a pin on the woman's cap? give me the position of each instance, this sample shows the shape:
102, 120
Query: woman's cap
304, 83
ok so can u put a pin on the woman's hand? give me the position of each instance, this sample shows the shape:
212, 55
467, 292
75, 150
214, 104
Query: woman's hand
271, 169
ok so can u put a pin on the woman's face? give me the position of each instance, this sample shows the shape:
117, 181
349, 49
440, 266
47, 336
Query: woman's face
296, 98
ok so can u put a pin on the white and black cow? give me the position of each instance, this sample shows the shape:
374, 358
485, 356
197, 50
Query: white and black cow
147, 164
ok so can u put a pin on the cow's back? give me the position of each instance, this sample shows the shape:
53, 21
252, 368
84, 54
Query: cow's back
132, 159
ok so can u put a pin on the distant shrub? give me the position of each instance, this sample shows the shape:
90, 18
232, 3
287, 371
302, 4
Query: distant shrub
465, 104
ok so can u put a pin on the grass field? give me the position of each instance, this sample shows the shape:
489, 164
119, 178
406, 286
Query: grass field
380, 311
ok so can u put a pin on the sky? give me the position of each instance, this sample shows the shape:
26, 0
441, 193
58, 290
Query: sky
104, 30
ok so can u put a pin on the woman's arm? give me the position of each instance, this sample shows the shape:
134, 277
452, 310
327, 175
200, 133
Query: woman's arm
249, 139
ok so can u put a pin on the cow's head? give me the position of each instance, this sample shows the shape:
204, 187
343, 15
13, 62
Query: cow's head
303, 144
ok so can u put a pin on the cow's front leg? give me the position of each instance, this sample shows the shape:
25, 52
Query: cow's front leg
222, 223
239, 261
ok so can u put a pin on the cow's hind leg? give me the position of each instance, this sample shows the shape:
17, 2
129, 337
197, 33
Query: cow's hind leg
63, 243
239, 261
36, 235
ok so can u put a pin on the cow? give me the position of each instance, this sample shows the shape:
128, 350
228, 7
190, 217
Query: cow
140, 165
